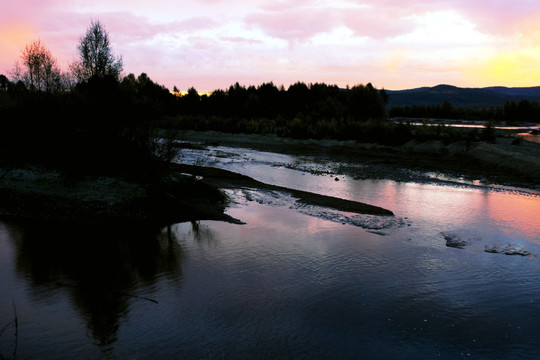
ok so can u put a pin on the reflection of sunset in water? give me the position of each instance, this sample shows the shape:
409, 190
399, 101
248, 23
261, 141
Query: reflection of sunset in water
529, 137
481, 211
516, 213
440, 204
287, 275
294, 274
498, 214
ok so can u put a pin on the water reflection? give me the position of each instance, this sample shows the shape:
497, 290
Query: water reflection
201, 233
275, 287
529, 137
102, 270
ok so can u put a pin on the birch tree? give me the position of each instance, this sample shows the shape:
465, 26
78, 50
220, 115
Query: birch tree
95, 57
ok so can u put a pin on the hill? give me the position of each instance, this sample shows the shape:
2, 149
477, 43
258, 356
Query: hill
462, 97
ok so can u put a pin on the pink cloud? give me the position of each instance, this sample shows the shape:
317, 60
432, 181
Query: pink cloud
282, 5
240, 40
491, 16
292, 24
130, 27
303, 23
213, 43
61, 31
389, 24
503, 17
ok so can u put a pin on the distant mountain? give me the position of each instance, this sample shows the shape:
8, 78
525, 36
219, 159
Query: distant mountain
462, 97
533, 92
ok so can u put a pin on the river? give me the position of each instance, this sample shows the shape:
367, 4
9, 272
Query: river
294, 282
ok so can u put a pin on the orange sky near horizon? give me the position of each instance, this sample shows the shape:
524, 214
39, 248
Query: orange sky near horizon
211, 44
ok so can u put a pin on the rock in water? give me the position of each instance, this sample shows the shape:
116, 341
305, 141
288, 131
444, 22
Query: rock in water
509, 249
455, 241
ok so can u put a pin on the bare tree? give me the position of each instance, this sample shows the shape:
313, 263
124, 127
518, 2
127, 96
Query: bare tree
95, 56
38, 69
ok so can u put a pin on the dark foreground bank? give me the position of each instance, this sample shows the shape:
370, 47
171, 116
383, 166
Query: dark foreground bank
44, 194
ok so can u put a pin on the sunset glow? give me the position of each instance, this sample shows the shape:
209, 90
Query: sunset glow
212, 44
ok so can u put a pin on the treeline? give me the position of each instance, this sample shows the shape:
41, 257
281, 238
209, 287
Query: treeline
309, 111
301, 111
109, 105
102, 124
511, 112
88, 120
314, 110
91, 119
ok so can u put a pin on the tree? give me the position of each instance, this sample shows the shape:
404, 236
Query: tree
191, 100
96, 59
37, 69
4, 82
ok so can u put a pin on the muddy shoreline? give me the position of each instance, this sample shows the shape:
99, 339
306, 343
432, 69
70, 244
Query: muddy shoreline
482, 164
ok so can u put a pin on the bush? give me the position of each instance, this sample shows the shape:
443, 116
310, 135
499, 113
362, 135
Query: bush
488, 133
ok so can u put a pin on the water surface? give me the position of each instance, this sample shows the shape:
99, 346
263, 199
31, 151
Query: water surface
293, 283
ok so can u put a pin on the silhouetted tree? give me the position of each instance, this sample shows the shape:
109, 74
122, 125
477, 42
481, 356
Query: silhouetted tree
269, 95
4, 82
365, 103
146, 93
297, 99
95, 56
384, 95
37, 69
191, 100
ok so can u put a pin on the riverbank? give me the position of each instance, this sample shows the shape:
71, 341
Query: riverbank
46, 195
503, 163
49, 195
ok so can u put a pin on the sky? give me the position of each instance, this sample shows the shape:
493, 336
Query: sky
212, 44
